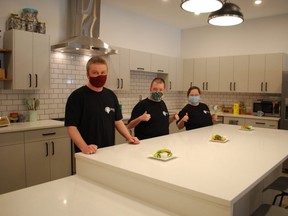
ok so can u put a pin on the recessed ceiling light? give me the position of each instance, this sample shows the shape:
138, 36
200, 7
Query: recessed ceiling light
258, 2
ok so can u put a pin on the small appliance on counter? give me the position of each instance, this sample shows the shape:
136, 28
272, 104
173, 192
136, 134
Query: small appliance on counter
284, 103
269, 107
4, 121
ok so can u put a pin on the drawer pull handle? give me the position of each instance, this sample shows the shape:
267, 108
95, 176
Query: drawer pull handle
140, 68
260, 123
49, 134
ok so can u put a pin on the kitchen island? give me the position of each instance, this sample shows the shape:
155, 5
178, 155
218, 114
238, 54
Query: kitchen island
205, 178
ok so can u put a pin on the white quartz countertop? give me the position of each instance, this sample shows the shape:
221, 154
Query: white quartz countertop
222, 172
25, 126
73, 196
249, 116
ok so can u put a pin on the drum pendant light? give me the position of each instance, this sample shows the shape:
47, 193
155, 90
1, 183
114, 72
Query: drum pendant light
201, 6
229, 15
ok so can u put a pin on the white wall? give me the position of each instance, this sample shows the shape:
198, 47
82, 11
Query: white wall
266, 35
127, 30
52, 12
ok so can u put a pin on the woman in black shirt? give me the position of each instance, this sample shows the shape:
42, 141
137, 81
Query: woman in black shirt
195, 114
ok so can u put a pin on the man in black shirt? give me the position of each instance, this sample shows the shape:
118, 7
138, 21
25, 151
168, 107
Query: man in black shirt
150, 116
92, 112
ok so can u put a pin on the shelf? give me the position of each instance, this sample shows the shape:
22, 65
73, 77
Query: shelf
6, 79
5, 50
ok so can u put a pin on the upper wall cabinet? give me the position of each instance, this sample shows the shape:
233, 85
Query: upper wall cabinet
188, 73
265, 72
119, 71
140, 61
206, 73
175, 74
234, 74
159, 63
29, 62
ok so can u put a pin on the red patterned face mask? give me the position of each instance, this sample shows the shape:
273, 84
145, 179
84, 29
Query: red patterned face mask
98, 81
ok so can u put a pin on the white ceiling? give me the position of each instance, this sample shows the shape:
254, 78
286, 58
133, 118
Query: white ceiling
169, 11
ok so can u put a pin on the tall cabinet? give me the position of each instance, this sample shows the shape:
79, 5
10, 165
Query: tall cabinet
29, 62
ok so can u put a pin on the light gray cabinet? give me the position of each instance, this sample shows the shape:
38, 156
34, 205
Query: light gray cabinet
188, 73
140, 61
12, 162
175, 74
159, 63
265, 72
47, 155
119, 71
29, 63
262, 123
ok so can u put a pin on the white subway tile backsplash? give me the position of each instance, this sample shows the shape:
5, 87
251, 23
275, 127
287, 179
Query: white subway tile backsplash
68, 72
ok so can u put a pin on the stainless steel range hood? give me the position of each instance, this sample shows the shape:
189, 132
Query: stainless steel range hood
85, 26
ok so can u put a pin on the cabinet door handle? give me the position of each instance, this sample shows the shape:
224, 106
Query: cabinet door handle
121, 83
53, 148
203, 86
36, 80
30, 80
140, 68
46, 149
160, 71
266, 86
170, 85
230, 86
261, 86
191, 84
234, 86
206, 85
118, 83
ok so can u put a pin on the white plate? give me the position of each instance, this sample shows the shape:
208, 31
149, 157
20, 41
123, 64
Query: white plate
220, 141
164, 158
245, 129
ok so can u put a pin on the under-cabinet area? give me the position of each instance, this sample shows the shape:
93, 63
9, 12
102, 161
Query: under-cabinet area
33, 156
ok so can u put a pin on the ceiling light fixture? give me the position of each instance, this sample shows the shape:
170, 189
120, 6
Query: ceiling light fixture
229, 15
201, 6
258, 2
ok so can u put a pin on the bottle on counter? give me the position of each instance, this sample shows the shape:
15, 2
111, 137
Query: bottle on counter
236, 109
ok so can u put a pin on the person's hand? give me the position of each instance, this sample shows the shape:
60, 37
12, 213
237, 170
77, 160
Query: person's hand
176, 116
90, 149
133, 140
145, 116
214, 117
185, 118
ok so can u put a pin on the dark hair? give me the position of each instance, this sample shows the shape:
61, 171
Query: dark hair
95, 60
191, 88
157, 80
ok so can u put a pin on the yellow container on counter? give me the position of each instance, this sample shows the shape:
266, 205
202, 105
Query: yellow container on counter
236, 109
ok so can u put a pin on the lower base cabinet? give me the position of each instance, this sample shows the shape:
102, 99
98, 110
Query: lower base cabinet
12, 162
47, 155
273, 124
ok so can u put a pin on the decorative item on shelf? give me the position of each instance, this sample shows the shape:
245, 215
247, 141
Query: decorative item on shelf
41, 27
2, 72
32, 105
229, 15
14, 117
14, 22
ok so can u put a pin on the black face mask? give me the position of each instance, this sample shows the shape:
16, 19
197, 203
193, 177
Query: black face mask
98, 81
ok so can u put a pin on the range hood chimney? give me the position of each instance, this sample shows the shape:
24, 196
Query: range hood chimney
85, 26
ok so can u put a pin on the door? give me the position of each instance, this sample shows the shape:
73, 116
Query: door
200, 73
241, 73
212, 74
256, 73
226, 74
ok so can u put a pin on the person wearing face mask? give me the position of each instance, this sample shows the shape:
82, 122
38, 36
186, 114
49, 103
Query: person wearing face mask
150, 117
92, 112
195, 114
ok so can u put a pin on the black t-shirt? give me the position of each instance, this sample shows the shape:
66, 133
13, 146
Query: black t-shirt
199, 116
158, 124
94, 114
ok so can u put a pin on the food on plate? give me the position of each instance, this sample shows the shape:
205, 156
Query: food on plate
218, 137
158, 154
246, 127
